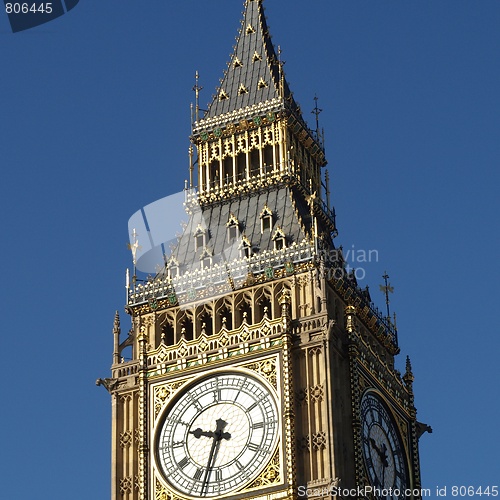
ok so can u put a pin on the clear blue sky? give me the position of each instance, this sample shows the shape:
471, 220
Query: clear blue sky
94, 124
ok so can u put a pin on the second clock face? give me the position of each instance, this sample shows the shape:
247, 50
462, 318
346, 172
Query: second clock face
383, 451
218, 435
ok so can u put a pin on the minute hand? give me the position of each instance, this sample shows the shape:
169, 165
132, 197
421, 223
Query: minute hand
217, 436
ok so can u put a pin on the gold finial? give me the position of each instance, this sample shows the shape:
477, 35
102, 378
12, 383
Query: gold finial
191, 166
350, 314
134, 246
285, 302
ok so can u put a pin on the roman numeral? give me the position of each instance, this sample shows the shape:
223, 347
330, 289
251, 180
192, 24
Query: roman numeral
258, 425
198, 474
183, 462
253, 447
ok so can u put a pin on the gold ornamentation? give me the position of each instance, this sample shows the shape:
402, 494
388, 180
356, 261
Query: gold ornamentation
271, 474
266, 368
163, 494
163, 393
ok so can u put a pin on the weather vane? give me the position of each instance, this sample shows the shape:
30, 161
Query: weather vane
386, 290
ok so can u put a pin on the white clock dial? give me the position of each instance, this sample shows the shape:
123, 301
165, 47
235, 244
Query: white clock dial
218, 435
383, 450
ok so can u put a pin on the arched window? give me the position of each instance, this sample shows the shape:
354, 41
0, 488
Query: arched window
266, 219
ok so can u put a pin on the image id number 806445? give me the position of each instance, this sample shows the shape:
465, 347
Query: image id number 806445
26, 8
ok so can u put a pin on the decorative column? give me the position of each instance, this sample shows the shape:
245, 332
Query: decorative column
143, 423
288, 403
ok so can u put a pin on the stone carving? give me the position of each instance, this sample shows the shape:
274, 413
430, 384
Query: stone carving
125, 439
126, 485
266, 368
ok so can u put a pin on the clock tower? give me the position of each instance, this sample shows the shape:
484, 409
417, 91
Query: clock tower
259, 368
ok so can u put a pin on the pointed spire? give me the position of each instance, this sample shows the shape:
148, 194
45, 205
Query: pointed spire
116, 338
116, 323
408, 376
254, 71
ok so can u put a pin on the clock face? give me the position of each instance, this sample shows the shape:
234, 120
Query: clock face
218, 435
383, 450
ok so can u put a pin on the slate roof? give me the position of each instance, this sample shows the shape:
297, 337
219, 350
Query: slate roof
212, 220
253, 74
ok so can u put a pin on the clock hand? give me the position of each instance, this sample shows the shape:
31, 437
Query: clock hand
197, 433
383, 455
374, 444
218, 435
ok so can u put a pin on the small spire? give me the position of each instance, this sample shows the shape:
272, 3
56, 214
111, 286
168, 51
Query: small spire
316, 111
116, 338
134, 247
386, 290
408, 376
197, 90
327, 188
254, 74
116, 323
285, 303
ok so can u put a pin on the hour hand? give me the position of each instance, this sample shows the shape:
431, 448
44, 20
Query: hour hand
382, 453
197, 433
218, 434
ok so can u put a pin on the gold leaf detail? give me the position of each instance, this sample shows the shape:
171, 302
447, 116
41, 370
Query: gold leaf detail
270, 475
265, 368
